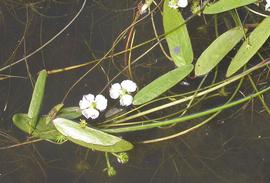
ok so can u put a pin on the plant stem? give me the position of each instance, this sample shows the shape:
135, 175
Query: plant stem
185, 118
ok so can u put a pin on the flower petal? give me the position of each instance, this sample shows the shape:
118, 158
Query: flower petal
89, 97
84, 104
115, 91
267, 6
129, 85
126, 100
90, 113
101, 102
182, 3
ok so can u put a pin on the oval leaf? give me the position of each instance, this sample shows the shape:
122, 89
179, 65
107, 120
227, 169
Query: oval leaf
22, 121
225, 5
37, 98
250, 47
177, 36
53, 112
217, 51
42, 131
46, 131
70, 113
91, 138
162, 84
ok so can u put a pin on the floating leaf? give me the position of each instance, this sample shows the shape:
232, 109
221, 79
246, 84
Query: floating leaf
177, 36
250, 47
53, 112
42, 131
225, 5
91, 138
217, 51
37, 99
69, 113
162, 84
22, 121
46, 131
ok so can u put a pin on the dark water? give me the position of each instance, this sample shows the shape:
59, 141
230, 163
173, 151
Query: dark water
230, 149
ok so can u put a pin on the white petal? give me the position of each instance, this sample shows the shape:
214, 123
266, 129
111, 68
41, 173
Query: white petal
89, 97
101, 102
90, 113
115, 91
182, 3
126, 100
84, 104
172, 4
267, 6
144, 8
129, 85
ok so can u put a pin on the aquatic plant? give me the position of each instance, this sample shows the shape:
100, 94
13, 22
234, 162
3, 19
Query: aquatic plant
123, 92
63, 123
90, 105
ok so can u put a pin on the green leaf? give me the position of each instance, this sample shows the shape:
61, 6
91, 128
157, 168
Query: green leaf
177, 36
69, 113
250, 47
53, 112
162, 84
90, 137
37, 99
42, 131
225, 5
217, 50
22, 121
46, 131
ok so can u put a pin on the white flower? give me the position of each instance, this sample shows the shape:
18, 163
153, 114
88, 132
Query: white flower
115, 91
267, 6
129, 85
178, 3
182, 3
126, 100
91, 105
101, 102
90, 113
123, 91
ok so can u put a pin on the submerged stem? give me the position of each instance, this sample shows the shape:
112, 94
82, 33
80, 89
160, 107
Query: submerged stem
185, 118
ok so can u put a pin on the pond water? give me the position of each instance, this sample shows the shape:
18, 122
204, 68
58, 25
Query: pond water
234, 147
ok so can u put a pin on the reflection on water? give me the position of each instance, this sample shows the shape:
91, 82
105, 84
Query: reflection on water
226, 150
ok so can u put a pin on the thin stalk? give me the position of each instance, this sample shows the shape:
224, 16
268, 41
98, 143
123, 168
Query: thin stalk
185, 118
225, 83
48, 42
260, 97
195, 126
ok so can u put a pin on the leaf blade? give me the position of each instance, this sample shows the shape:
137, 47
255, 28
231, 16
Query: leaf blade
226, 5
217, 50
250, 47
70, 113
46, 131
37, 99
177, 36
42, 130
22, 121
162, 84
90, 137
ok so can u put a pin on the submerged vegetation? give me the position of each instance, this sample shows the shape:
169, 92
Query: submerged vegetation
232, 69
